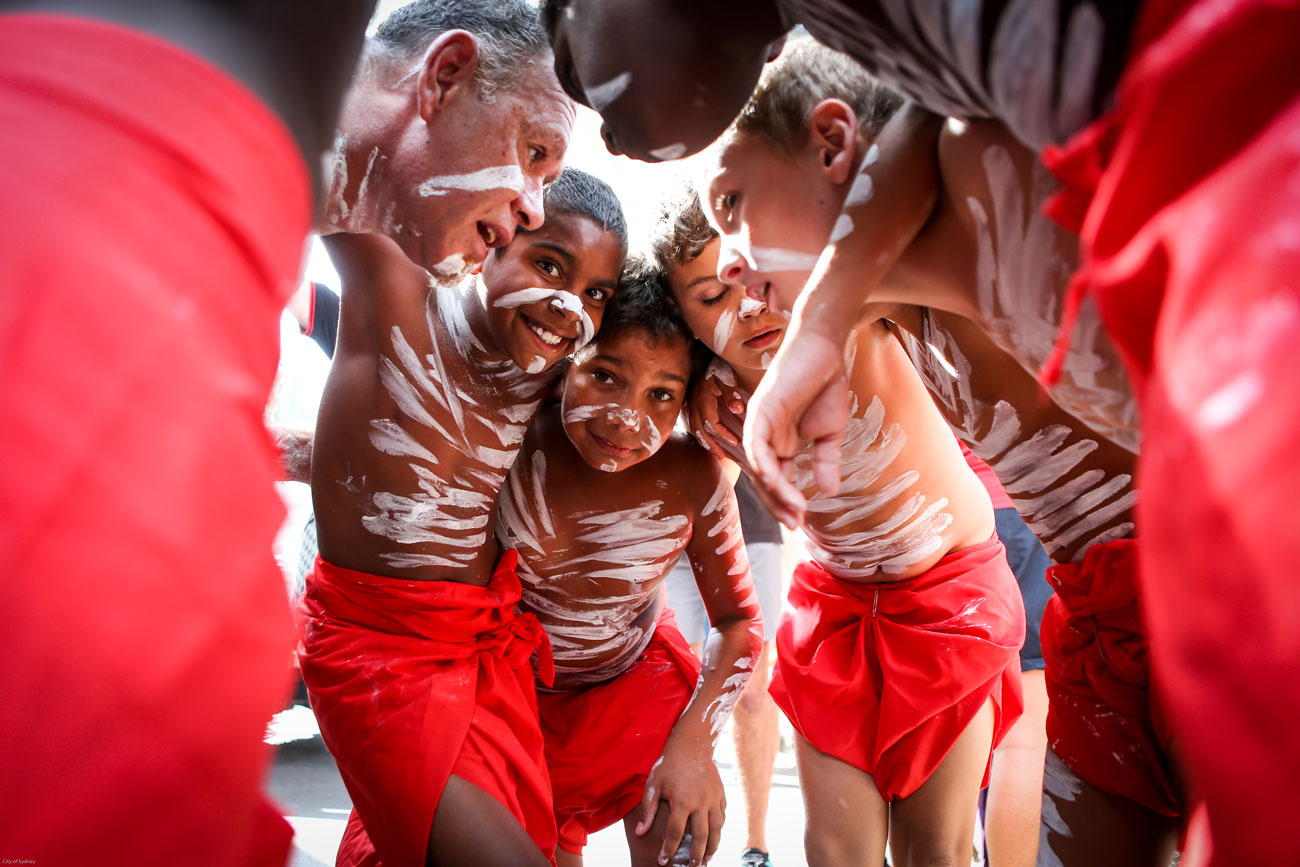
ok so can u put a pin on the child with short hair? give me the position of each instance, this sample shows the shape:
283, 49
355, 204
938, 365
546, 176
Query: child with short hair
414, 656
898, 665
984, 255
601, 502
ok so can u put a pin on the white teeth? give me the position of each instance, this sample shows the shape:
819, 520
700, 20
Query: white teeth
548, 337
490, 234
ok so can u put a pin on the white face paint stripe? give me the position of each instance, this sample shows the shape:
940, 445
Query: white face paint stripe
769, 260
601, 96
490, 178
670, 152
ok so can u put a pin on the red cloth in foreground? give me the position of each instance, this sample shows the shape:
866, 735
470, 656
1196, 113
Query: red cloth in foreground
602, 741
1190, 248
887, 676
1102, 720
413, 681
997, 494
152, 224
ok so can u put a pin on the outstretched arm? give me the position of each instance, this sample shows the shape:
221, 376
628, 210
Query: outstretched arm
804, 395
685, 779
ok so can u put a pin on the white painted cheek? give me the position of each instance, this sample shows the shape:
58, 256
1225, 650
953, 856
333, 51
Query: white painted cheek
766, 360
586, 330
656, 439
490, 178
671, 152
722, 331
601, 96
521, 297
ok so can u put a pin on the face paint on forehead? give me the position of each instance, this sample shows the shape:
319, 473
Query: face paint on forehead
558, 298
601, 96
491, 178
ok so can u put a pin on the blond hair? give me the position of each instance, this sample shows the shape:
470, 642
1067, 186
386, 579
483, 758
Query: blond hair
682, 231
806, 74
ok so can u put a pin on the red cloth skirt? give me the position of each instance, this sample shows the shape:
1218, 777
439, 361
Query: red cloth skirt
413, 681
601, 742
1101, 719
886, 677
152, 225
1191, 247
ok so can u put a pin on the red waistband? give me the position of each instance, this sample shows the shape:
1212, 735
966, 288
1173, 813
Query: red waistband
965, 562
231, 153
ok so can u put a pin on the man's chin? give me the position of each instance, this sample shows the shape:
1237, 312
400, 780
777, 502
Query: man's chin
453, 269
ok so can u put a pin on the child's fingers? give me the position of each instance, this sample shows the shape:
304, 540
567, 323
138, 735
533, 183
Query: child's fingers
716, 818
673, 836
649, 809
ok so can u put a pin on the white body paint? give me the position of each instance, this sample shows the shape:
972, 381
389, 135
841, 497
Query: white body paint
436, 399
490, 178
774, 260
1039, 469
1017, 256
601, 96
671, 152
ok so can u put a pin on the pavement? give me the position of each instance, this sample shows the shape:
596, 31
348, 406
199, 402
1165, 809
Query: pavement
306, 784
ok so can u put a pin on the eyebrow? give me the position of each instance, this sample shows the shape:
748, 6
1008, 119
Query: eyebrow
703, 278
615, 361
558, 249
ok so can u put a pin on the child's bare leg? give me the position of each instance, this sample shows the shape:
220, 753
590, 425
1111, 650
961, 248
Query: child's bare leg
1011, 820
1083, 825
644, 849
936, 824
846, 820
473, 829
565, 858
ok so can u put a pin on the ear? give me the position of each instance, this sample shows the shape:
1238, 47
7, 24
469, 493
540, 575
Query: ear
448, 69
833, 135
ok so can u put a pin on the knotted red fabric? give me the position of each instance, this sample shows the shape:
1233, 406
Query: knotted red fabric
1190, 246
153, 219
602, 741
887, 676
413, 681
1101, 719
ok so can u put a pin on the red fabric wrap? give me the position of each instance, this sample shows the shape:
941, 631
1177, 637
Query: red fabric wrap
1102, 720
997, 494
886, 677
601, 742
153, 220
1189, 250
413, 681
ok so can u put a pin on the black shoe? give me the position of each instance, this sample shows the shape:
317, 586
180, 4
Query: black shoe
752, 857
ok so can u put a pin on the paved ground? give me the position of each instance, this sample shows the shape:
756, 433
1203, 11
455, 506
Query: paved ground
306, 784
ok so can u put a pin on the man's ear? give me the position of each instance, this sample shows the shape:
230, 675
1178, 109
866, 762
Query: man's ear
833, 134
449, 67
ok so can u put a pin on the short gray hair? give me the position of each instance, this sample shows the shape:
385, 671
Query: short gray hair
509, 35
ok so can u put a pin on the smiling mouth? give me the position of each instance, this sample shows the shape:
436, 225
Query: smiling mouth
612, 448
544, 334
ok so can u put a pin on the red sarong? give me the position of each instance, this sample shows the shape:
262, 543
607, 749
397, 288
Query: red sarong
601, 742
887, 676
1101, 719
413, 681
1191, 247
153, 220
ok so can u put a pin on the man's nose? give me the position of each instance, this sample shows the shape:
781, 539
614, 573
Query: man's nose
732, 266
611, 141
529, 212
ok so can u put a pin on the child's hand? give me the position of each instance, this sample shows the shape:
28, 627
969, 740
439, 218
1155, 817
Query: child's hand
715, 411
686, 781
803, 396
